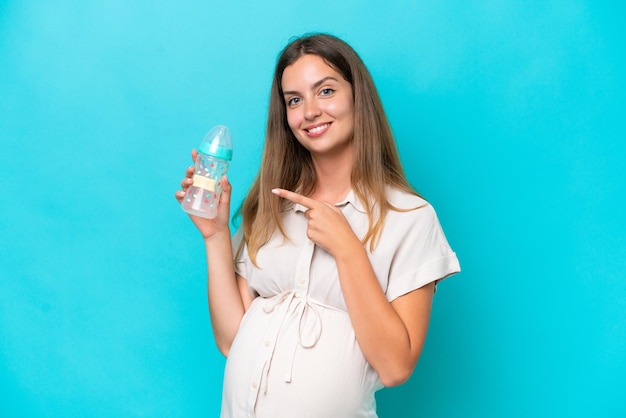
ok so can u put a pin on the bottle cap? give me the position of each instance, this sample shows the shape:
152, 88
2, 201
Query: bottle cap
217, 143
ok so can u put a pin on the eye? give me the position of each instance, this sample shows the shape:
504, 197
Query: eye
327, 91
293, 101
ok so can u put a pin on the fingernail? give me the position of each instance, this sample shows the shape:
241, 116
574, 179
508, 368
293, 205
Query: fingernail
276, 191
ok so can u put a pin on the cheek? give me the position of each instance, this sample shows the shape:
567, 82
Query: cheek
348, 116
293, 120
343, 108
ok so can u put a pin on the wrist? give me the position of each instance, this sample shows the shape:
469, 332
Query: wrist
350, 250
217, 236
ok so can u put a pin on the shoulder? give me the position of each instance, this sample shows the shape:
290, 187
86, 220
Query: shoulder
404, 200
409, 209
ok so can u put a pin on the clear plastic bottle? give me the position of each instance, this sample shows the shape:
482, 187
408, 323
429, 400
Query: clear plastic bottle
214, 155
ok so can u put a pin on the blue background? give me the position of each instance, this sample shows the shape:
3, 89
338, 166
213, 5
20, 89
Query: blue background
509, 116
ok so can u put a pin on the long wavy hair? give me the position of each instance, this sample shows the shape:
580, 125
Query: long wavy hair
287, 164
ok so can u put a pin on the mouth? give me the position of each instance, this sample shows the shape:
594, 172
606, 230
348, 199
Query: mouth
318, 129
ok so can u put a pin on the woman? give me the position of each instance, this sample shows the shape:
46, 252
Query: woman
329, 295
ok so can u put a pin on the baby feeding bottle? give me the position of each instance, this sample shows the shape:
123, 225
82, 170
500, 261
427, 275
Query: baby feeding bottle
214, 155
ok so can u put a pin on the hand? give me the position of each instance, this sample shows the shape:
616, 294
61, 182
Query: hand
208, 227
327, 227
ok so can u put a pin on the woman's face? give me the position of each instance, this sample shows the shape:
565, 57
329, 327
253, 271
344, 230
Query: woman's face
320, 106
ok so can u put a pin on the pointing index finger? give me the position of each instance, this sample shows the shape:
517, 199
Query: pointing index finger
296, 198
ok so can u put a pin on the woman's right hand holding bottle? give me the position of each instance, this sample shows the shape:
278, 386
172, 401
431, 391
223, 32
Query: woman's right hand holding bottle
208, 227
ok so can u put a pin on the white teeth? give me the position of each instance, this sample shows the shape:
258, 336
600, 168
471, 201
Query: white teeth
318, 129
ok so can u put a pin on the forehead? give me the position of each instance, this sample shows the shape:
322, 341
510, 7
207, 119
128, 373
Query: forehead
307, 70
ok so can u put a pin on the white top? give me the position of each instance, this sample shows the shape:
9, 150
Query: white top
295, 354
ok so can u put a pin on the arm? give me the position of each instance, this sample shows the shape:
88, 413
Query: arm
227, 293
391, 334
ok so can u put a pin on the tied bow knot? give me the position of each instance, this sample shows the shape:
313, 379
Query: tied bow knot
292, 304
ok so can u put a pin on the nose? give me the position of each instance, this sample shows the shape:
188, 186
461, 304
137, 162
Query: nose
311, 110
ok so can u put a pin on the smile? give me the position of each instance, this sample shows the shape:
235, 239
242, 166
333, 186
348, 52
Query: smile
318, 129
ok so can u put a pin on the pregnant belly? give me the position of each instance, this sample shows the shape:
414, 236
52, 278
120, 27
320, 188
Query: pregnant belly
294, 357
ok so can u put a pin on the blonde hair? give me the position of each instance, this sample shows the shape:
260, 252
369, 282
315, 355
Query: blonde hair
287, 164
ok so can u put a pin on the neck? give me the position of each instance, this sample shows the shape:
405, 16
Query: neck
333, 178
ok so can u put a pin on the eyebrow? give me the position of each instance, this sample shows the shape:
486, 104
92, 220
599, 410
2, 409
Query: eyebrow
315, 85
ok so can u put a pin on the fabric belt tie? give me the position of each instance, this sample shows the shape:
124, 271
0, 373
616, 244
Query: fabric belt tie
305, 310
